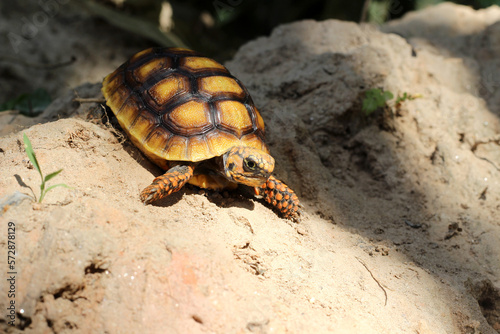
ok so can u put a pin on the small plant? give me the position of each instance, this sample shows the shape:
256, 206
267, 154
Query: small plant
375, 98
31, 105
405, 97
31, 155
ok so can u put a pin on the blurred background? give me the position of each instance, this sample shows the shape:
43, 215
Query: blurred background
219, 27
50, 46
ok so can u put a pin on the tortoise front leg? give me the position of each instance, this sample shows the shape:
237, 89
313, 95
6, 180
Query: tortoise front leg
173, 180
280, 196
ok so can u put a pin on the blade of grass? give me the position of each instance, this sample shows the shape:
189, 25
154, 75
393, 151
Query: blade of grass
50, 188
31, 154
51, 175
58, 185
42, 191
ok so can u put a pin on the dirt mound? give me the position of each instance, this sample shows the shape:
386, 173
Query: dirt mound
399, 235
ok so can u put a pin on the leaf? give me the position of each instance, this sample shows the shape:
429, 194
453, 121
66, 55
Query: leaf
51, 175
31, 154
134, 25
375, 98
369, 105
32, 104
42, 194
387, 96
57, 185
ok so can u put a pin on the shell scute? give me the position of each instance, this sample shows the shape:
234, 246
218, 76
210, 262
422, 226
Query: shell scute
151, 68
142, 126
198, 148
234, 116
129, 110
219, 141
166, 89
177, 147
201, 64
190, 118
214, 85
141, 54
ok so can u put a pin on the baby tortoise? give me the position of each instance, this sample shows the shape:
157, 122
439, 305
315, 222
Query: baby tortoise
192, 118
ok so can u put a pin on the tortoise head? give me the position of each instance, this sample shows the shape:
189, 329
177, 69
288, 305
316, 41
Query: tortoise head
247, 165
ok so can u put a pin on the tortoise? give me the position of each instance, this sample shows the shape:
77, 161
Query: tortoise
197, 122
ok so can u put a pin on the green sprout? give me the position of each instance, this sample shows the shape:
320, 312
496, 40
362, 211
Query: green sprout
375, 98
31, 155
405, 97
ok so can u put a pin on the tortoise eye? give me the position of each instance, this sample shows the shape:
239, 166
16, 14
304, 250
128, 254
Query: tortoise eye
250, 164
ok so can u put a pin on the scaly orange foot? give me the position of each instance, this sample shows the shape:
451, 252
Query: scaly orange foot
173, 180
280, 196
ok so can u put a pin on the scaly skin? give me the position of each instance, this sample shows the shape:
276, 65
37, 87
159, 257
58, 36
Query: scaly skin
280, 196
235, 165
173, 180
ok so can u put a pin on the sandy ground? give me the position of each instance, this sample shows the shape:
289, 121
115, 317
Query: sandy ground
400, 232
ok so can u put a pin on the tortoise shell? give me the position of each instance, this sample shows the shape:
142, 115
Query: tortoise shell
177, 105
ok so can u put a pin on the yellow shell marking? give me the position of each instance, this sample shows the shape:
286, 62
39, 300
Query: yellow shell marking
144, 71
140, 54
234, 115
219, 84
198, 149
157, 140
128, 112
252, 140
143, 125
111, 83
177, 148
167, 88
189, 115
260, 121
197, 63
219, 142
115, 92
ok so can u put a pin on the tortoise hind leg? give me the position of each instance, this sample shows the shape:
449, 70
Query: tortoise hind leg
280, 196
173, 180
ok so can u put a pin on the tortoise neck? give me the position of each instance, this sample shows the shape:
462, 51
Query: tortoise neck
221, 165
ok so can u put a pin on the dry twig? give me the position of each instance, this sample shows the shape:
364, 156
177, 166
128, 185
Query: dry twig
371, 274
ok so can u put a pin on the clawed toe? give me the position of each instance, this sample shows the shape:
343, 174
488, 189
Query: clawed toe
147, 199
